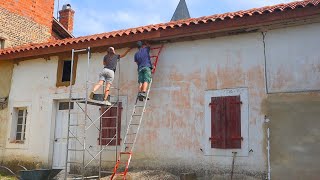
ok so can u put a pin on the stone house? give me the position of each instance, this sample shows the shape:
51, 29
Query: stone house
222, 82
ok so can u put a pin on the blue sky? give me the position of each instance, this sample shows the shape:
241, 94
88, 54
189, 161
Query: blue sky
98, 16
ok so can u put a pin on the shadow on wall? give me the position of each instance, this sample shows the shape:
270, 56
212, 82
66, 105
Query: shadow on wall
294, 135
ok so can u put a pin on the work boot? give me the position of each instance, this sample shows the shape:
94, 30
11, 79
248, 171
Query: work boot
106, 102
141, 96
91, 95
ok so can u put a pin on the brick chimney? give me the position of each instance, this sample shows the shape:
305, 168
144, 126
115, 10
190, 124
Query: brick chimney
66, 17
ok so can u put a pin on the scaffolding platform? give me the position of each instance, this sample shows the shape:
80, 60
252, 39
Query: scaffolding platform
89, 101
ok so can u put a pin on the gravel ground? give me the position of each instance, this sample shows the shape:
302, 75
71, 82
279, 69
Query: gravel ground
147, 175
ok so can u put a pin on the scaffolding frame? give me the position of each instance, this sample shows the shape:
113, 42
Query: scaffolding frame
89, 123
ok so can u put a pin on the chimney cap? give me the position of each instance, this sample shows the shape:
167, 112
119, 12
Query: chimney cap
66, 6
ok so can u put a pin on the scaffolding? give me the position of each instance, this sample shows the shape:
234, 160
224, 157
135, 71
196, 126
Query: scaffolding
77, 129
79, 155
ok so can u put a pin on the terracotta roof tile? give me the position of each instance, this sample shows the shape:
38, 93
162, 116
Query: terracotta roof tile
168, 25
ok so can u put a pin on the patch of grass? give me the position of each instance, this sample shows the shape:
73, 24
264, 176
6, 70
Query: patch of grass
7, 177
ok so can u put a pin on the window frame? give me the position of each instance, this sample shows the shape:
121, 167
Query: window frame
61, 60
12, 143
243, 93
23, 124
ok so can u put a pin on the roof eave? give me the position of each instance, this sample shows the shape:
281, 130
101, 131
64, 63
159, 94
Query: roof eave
59, 28
258, 21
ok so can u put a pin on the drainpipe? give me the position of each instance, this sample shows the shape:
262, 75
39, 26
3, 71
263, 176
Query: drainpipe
264, 33
269, 167
268, 149
233, 159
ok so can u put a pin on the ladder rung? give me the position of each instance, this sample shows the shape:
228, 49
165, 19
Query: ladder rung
109, 117
75, 150
139, 106
131, 133
129, 143
109, 128
80, 50
107, 172
109, 138
125, 153
137, 115
76, 137
73, 125
134, 124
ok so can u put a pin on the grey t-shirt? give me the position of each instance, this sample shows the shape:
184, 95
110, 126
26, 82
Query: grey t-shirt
111, 61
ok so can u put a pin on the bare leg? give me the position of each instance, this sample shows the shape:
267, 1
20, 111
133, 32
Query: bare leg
140, 87
144, 87
106, 93
97, 86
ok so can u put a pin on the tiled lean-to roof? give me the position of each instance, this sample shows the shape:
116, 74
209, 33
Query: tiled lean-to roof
278, 12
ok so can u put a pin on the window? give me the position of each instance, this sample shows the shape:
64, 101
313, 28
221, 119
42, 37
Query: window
64, 71
65, 105
20, 134
108, 125
2, 43
226, 122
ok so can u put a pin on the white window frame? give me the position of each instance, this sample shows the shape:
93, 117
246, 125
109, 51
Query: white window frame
23, 124
11, 142
243, 93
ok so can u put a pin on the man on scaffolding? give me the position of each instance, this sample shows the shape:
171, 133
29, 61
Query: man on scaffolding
107, 74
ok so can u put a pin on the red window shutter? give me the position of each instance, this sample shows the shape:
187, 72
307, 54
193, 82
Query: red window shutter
226, 122
217, 122
109, 122
233, 123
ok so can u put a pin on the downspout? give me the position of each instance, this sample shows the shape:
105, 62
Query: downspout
268, 149
269, 167
264, 33
233, 159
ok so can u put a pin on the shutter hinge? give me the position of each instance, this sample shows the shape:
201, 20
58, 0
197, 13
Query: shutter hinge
237, 138
214, 138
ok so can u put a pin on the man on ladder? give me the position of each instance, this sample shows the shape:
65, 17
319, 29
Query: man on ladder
142, 58
145, 69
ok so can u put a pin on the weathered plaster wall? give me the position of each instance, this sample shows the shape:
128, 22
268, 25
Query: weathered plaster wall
295, 135
6, 68
31, 84
293, 59
293, 62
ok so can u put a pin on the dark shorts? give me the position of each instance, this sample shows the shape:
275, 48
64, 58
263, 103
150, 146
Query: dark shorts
144, 75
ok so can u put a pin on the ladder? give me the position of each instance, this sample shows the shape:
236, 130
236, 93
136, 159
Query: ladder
133, 128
